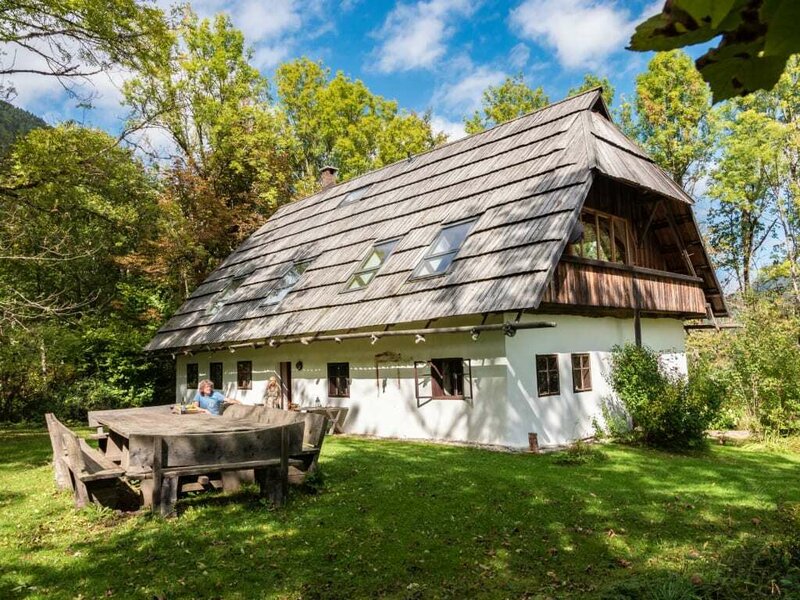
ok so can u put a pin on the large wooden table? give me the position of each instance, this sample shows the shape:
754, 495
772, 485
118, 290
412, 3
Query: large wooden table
131, 431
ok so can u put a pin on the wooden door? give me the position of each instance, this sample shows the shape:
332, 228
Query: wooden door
286, 384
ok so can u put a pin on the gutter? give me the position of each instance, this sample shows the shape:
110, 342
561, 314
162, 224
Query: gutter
509, 329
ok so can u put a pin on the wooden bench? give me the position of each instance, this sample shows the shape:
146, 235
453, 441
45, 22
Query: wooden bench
91, 476
336, 416
304, 462
265, 451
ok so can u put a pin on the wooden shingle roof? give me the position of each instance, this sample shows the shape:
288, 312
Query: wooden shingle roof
525, 181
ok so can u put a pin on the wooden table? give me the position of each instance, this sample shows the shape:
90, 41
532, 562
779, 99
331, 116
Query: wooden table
336, 416
131, 431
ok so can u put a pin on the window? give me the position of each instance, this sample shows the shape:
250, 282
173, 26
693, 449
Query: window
244, 374
286, 283
215, 374
339, 380
605, 237
581, 373
547, 375
443, 249
192, 375
225, 294
354, 195
371, 265
447, 377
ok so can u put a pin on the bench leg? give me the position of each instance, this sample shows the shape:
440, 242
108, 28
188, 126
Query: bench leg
147, 493
169, 495
81, 493
274, 484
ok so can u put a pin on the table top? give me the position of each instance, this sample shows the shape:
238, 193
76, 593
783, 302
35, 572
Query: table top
160, 420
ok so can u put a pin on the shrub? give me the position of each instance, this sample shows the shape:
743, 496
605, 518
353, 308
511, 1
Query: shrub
666, 410
580, 453
757, 367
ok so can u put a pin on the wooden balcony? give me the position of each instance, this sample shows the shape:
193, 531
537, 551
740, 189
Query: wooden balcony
602, 287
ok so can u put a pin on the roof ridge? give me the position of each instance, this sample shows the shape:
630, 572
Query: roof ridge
596, 90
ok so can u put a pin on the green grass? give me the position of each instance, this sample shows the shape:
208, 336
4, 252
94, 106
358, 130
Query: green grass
407, 520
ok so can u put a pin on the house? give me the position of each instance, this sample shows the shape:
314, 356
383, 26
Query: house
469, 293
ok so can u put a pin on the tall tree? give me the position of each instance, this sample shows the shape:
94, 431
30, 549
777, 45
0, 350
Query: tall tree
743, 218
671, 117
509, 100
591, 81
74, 205
339, 121
782, 106
230, 165
74, 40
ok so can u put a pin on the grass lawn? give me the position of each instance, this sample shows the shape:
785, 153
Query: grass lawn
408, 520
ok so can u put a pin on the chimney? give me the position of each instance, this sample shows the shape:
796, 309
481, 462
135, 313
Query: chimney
327, 176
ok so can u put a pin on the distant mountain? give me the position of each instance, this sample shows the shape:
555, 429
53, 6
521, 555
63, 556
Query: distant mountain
15, 122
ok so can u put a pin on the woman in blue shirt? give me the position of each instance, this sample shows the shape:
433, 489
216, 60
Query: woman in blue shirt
210, 401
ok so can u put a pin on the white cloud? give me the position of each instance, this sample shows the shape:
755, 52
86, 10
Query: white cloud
464, 96
266, 19
582, 32
415, 35
519, 55
454, 130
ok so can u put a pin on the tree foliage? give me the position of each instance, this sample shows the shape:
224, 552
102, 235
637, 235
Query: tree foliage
671, 117
74, 40
334, 120
509, 100
590, 82
757, 37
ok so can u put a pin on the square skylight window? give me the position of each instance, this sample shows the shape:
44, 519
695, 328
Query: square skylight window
443, 250
370, 265
354, 195
285, 284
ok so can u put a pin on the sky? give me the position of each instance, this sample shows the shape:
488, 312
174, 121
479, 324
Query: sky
429, 55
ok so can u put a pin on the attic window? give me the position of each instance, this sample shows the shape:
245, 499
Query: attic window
371, 265
226, 293
286, 283
605, 237
443, 250
354, 195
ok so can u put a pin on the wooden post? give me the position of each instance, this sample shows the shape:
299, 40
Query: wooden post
169, 495
158, 450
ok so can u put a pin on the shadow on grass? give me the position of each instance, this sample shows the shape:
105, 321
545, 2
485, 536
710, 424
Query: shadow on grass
415, 520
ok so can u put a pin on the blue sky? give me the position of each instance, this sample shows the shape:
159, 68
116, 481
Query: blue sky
435, 55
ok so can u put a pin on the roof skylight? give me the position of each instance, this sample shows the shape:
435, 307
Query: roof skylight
285, 284
226, 293
371, 265
443, 250
354, 195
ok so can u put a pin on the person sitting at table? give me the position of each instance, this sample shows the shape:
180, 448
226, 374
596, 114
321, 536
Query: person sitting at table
209, 401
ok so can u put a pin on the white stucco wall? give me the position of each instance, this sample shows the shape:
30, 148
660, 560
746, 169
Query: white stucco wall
505, 406
569, 415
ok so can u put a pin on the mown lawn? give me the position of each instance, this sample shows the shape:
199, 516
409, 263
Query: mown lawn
407, 520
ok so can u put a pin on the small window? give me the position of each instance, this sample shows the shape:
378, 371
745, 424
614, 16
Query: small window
339, 380
244, 374
581, 373
286, 283
443, 250
547, 381
225, 294
371, 265
447, 377
354, 195
192, 376
215, 374
605, 238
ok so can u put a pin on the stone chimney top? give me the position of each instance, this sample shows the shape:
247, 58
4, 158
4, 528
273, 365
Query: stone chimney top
327, 176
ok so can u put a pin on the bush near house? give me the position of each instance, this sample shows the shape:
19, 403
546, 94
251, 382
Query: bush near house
667, 410
756, 368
